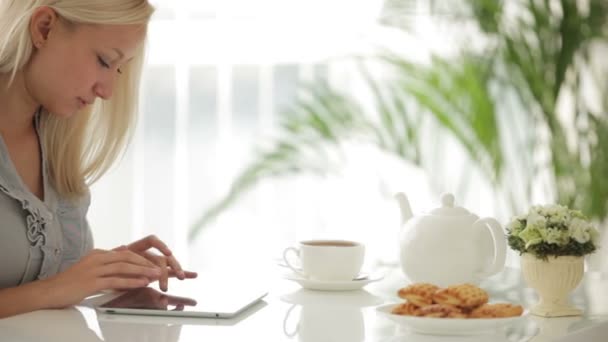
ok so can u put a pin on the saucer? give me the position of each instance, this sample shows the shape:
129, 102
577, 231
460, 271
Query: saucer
449, 326
326, 285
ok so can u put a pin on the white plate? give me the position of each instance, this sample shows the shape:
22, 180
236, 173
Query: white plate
448, 326
333, 285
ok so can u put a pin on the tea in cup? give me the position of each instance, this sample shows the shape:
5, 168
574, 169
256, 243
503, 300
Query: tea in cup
327, 260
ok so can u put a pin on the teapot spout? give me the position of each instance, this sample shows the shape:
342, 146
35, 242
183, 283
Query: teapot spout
404, 205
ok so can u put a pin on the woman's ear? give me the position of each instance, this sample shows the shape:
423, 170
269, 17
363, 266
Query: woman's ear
43, 20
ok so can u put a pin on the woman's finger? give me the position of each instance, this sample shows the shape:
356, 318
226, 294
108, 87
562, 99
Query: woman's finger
149, 256
176, 267
187, 274
110, 283
164, 276
128, 270
125, 256
175, 270
150, 242
161, 262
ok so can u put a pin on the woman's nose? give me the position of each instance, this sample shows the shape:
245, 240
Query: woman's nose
105, 88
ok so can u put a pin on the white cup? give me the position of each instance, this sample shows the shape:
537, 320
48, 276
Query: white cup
327, 260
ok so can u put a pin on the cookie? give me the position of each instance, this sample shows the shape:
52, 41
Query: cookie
420, 294
498, 310
406, 309
466, 296
442, 311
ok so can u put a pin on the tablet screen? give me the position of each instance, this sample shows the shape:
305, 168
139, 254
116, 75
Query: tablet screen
149, 298
203, 301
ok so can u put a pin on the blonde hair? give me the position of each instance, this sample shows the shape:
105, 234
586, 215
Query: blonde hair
82, 148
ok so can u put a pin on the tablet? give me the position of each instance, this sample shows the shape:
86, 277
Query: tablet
189, 301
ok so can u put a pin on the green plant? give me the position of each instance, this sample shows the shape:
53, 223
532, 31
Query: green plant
547, 59
496, 102
552, 230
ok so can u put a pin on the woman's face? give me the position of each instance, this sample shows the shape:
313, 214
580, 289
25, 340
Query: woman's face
72, 65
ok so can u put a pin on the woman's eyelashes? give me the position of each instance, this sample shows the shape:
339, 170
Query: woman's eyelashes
106, 65
103, 63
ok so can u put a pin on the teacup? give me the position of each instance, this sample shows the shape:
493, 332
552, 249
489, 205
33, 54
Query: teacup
327, 260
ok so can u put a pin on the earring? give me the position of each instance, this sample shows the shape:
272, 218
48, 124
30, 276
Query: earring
38, 44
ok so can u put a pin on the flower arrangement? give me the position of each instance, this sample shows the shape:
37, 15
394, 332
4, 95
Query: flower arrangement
552, 230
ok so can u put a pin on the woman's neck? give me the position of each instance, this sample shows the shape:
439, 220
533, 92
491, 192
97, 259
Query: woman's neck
17, 107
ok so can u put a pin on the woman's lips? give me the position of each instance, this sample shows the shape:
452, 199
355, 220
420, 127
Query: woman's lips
83, 103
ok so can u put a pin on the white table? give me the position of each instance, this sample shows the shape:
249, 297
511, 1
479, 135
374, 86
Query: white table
290, 313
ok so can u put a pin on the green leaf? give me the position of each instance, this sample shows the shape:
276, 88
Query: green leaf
457, 95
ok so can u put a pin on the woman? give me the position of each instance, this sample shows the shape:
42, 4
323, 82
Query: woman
69, 77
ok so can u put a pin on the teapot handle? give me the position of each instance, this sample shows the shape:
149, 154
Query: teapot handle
500, 245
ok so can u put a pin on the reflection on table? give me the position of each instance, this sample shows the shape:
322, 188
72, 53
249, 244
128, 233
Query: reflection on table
290, 313
315, 309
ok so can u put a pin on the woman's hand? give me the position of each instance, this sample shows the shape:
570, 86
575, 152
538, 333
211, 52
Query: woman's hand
99, 270
169, 266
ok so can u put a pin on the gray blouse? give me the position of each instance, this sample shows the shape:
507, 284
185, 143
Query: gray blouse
37, 238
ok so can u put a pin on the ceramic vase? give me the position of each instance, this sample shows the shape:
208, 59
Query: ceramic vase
553, 280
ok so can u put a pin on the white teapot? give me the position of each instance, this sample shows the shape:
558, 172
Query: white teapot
449, 245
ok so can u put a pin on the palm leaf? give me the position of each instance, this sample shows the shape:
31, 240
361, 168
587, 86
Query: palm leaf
321, 118
457, 95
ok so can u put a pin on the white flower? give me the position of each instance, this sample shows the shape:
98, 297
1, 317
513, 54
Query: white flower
555, 225
579, 230
555, 236
536, 221
553, 210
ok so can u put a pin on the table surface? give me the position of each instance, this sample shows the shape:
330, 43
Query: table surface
290, 313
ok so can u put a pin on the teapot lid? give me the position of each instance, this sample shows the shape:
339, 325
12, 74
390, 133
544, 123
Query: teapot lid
448, 209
